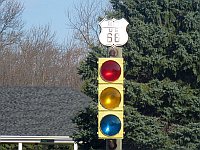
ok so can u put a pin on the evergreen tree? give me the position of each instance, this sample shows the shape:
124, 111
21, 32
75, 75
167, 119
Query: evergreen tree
162, 76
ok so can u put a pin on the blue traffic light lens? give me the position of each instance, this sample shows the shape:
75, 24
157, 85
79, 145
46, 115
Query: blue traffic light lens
110, 125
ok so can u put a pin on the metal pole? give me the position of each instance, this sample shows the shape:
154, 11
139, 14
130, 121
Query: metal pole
114, 52
119, 144
114, 144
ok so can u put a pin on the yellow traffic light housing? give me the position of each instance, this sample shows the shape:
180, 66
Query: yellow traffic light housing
110, 98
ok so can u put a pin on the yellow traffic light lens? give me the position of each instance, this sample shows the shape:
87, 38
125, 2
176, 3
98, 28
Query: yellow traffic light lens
110, 98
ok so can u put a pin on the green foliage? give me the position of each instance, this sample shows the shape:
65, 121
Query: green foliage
143, 132
89, 73
173, 102
187, 136
87, 128
37, 146
162, 76
8, 146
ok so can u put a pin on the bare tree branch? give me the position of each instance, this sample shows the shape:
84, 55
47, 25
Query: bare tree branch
10, 22
85, 21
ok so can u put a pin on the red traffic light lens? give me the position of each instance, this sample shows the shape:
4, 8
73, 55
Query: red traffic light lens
110, 71
110, 98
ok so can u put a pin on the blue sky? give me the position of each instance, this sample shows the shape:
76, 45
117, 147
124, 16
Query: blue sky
52, 12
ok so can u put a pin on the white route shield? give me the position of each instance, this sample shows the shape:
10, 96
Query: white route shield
113, 32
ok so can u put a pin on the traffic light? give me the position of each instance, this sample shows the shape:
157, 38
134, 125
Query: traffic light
110, 98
